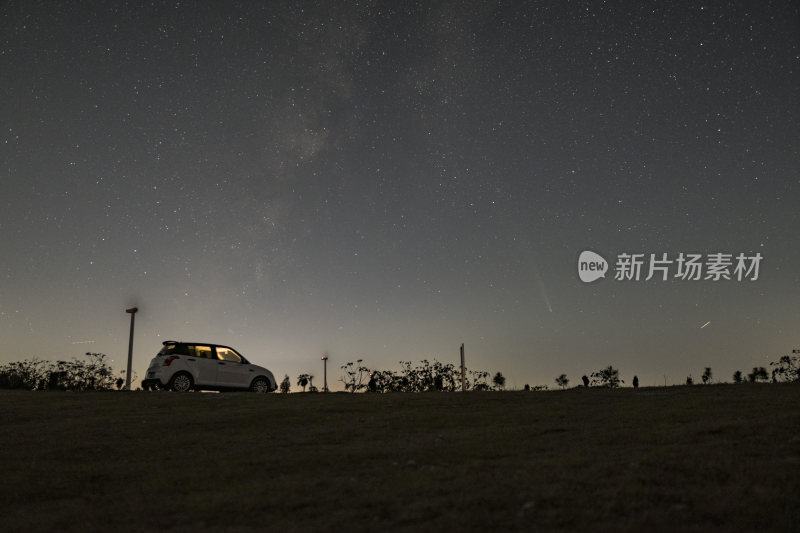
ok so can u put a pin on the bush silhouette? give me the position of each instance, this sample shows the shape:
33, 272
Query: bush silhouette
787, 368
499, 381
424, 377
607, 377
93, 373
758, 374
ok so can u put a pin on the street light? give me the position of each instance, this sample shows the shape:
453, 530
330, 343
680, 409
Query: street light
325, 372
132, 311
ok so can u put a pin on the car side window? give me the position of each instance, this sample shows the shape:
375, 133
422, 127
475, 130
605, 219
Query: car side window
168, 349
226, 354
180, 349
175, 348
201, 351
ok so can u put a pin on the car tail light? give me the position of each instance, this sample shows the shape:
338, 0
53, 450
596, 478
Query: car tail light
168, 360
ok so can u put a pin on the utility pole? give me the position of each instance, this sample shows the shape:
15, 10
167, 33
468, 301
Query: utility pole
325, 372
463, 375
132, 311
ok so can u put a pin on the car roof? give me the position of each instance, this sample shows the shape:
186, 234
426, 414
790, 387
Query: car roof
201, 344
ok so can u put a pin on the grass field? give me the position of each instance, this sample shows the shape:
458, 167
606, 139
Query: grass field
702, 458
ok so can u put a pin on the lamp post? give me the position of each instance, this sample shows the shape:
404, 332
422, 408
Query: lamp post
325, 372
132, 311
463, 373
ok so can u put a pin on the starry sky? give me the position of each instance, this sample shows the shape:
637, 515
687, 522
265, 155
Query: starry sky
387, 180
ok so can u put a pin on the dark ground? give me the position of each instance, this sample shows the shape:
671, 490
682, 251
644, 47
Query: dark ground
701, 458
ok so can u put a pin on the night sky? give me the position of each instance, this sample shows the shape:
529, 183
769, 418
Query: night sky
386, 180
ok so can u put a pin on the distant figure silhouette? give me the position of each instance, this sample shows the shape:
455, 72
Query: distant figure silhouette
585, 381
635, 382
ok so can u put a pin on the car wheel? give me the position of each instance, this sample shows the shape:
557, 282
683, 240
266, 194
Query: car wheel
181, 382
260, 385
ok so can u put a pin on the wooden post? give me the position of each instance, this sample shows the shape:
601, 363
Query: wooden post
463, 376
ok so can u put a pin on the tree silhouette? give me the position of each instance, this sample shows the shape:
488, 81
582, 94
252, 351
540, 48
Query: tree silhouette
302, 381
562, 381
354, 376
427, 376
585, 381
758, 374
635, 382
737, 376
787, 368
479, 378
689, 380
92, 374
706, 377
499, 381
607, 377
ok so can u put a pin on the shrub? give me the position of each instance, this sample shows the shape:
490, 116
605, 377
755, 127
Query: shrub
607, 377
425, 377
354, 376
499, 381
758, 374
91, 374
787, 368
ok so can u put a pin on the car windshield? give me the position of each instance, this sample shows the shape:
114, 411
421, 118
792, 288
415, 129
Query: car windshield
227, 354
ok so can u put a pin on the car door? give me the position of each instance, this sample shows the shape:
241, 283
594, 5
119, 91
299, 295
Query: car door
232, 371
202, 364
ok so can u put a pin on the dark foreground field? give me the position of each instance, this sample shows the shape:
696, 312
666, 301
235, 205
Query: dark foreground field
724, 458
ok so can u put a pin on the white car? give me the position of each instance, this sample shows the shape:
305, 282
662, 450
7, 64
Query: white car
184, 366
